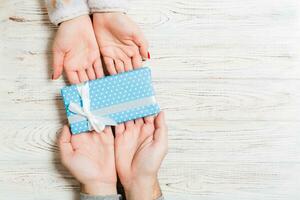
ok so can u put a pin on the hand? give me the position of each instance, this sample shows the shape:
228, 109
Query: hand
75, 50
140, 147
90, 159
121, 42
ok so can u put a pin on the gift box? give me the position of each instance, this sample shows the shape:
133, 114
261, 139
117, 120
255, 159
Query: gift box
109, 100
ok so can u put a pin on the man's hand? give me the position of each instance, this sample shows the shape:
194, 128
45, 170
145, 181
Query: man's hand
90, 159
75, 50
140, 147
121, 42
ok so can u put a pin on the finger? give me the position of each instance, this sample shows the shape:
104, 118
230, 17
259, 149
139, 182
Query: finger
125, 57
149, 119
127, 64
110, 66
89, 69
107, 134
129, 51
140, 40
136, 61
80, 138
120, 128
83, 77
139, 122
119, 65
107, 130
58, 60
98, 68
65, 145
72, 77
161, 129
129, 124
91, 73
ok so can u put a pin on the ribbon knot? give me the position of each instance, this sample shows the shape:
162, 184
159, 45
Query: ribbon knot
95, 122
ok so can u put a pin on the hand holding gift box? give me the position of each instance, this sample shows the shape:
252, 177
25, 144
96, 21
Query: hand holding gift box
110, 100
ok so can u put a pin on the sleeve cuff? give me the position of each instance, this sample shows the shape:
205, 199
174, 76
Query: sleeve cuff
59, 11
108, 6
160, 198
92, 197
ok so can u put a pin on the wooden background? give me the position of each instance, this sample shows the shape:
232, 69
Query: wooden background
226, 71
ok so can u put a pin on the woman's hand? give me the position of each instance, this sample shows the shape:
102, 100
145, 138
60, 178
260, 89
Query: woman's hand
121, 42
90, 159
75, 50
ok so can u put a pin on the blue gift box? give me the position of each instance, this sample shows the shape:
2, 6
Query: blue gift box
113, 99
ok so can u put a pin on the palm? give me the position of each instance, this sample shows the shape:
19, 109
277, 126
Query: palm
113, 37
147, 159
116, 48
92, 158
75, 49
140, 148
120, 40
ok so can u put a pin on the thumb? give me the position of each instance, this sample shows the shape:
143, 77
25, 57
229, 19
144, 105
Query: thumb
65, 146
140, 40
119, 130
58, 59
161, 129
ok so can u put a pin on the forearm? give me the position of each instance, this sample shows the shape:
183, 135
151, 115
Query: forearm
148, 189
99, 191
156, 192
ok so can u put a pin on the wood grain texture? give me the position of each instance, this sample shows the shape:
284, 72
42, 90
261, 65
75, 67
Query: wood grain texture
226, 72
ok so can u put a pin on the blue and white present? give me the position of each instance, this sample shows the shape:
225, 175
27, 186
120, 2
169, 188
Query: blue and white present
109, 100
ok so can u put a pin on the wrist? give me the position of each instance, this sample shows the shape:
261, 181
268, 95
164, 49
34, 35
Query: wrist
75, 19
156, 193
102, 17
112, 13
99, 188
146, 187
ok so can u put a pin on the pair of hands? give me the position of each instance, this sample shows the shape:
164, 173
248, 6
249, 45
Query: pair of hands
135, 155
80, 42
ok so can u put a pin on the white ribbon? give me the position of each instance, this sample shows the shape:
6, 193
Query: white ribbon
96, 122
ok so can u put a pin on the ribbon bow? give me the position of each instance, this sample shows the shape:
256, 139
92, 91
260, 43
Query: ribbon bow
96, 122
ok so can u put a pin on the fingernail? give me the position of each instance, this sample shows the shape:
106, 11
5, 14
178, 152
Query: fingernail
52, 77
148, 55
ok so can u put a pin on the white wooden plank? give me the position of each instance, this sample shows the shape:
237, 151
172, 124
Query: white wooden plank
192, 141
200, 100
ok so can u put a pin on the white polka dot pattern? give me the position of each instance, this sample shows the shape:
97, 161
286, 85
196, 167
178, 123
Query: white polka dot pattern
112, 90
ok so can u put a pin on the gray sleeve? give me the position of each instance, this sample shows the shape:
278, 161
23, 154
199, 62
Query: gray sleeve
108, 197
160, 198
